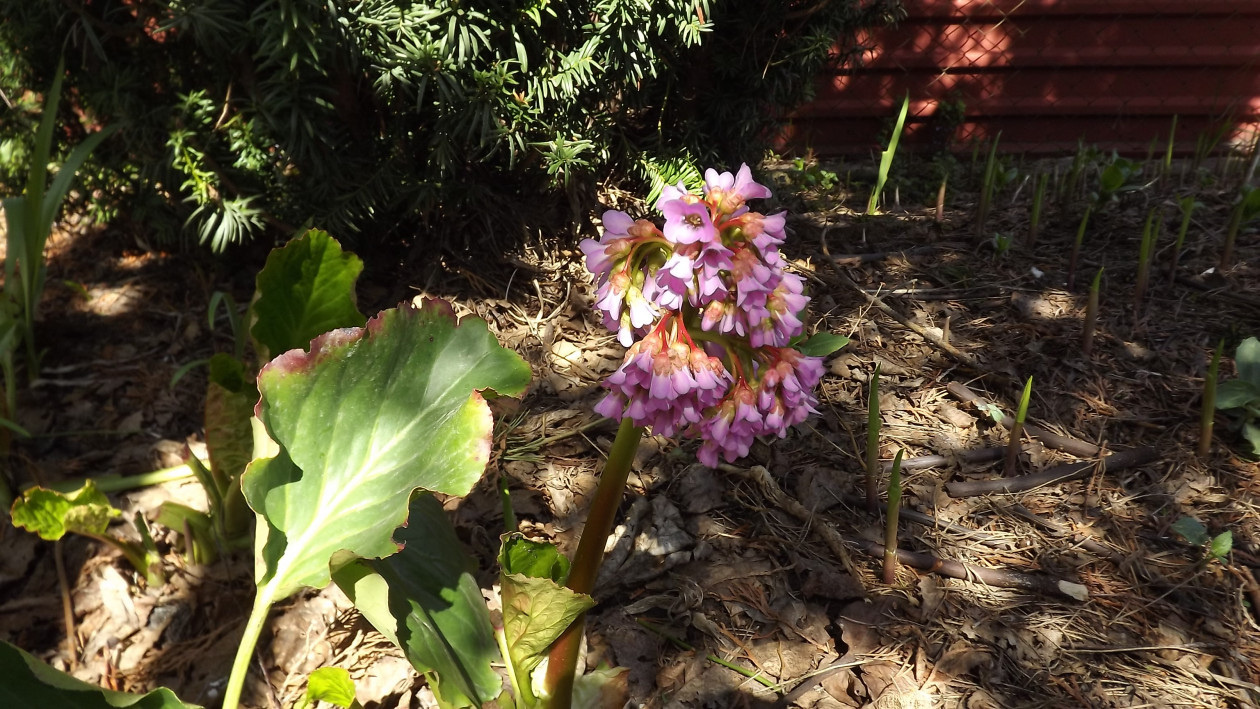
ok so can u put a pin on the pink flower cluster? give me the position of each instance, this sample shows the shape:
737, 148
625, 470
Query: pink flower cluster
713, 275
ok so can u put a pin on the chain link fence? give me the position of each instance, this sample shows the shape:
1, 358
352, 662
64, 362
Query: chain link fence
1047, 74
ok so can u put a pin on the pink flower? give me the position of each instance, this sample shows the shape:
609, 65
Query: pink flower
729, 192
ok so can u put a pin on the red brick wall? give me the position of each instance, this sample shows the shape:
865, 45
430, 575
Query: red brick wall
1047, 73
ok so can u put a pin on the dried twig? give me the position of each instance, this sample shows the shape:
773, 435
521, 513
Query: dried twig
838, 544
1059, 473
1067, 444
875, 300
923, 462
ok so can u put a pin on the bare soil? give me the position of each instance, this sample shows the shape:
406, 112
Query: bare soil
1072, 593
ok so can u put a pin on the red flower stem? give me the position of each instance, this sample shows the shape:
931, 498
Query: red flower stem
563, 656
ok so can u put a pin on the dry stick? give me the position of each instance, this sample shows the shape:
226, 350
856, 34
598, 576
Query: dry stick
1067, 444
1000, 578
858, 259
67, 604
874, 300
1091, 316
923, 462
1059, 473
1086, 543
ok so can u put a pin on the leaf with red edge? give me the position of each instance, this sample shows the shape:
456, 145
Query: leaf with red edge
364, 418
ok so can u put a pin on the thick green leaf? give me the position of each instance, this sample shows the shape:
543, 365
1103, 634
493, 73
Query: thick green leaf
1251, 433
51, 514
30, 683
527, 557
367, 416
822, 344
602, 688
332, 685
535, 612
1247, 358
536, 608
426, 600
1222, 544
230, 399
1192, 530
1236, 393
304, 290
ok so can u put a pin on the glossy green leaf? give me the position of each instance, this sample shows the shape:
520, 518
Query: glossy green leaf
1236, 393
1247, 358
364, 418
304, 290
602, 688
1251, 433
1192, 530
536, 609
1222, 544
534, 559
822, 344
332, 685
30, 683
426, 600
51, 514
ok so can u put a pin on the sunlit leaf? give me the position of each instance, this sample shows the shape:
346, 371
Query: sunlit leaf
51, 514
332, 685
364, 418
304, 290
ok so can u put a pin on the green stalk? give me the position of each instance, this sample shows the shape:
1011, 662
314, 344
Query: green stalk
245, 651
1150, 234
1039, 198
1076, 247
1208, 414
114, 483
562, 659
1091, 316
885, 160
1188, 205
1073, 176
1017, 431
890, 521
872, 443
986, 188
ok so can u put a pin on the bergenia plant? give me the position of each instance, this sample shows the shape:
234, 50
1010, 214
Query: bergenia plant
712, 320
708, 313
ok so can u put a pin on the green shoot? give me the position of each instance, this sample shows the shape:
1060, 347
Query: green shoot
1207, 414
1187, 205
1091, 316
885, 161
1150, 235
1246, 209
1076, 247
1039, 198
872, 442
1017, 431
1168, 152
986, 187
890, 521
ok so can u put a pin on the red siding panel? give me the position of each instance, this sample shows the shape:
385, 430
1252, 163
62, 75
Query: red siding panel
1047, 73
